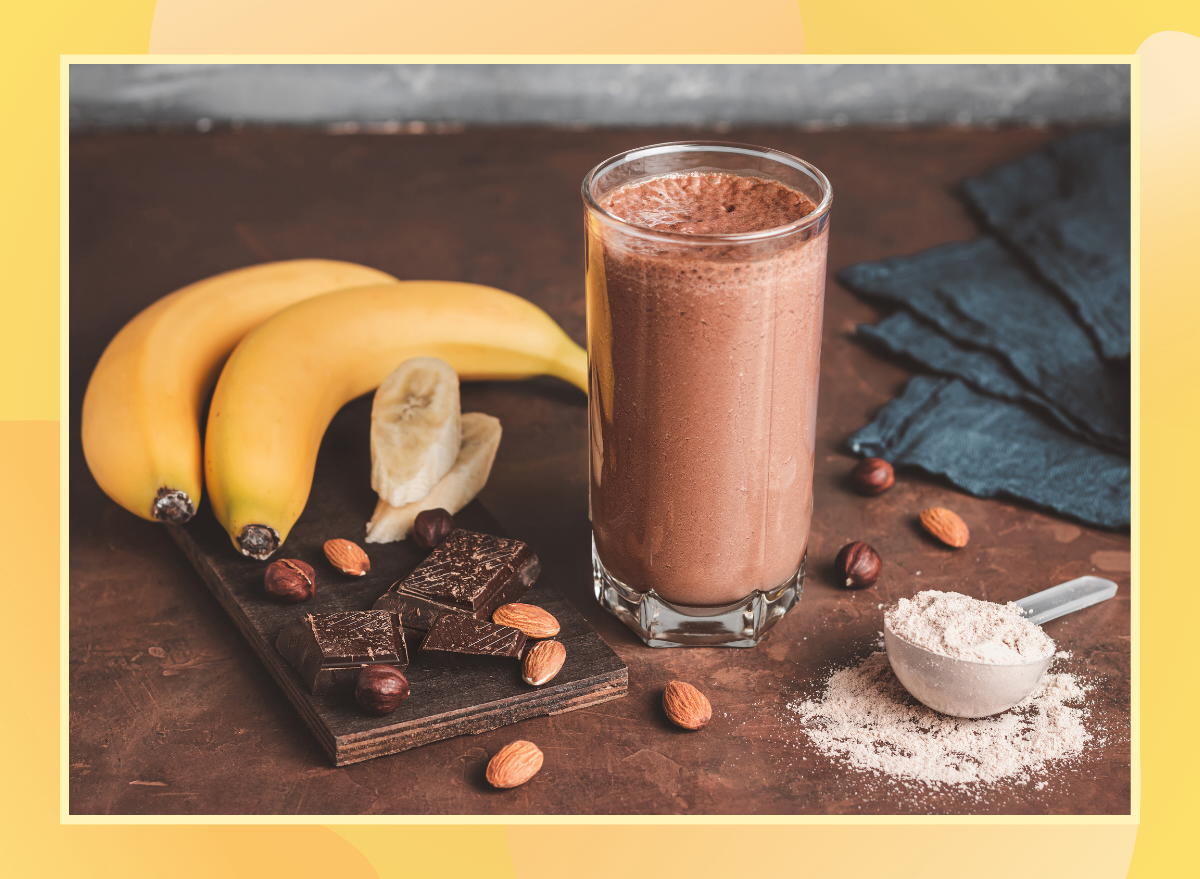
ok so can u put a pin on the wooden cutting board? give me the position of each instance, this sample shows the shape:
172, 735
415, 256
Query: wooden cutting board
444, 702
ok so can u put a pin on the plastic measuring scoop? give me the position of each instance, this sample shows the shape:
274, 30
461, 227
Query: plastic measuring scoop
965, 688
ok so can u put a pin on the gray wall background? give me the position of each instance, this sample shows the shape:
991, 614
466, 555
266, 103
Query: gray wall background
415, 96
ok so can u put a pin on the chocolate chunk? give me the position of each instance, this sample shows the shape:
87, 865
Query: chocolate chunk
522, 580
413, 612
467, 570
469, 573
329, 649
457, 640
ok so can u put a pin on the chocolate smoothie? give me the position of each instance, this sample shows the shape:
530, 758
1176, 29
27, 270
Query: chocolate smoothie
704, 358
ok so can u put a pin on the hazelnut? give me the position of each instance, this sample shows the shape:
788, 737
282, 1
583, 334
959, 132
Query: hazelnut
872, 476
380, 689
432, 527
858, 565
290, 580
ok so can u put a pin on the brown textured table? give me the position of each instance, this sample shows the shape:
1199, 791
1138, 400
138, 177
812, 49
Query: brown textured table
171, 712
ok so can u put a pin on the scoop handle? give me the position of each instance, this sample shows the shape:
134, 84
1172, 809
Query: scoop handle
1065, 598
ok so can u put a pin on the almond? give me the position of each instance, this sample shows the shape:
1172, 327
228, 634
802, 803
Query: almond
542, 662
514, 764
946, 526
347, 557
686, 706
533, 621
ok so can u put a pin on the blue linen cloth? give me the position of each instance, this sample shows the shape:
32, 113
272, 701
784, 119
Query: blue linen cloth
1013, 336
992, 448
1029, 331
1065, 208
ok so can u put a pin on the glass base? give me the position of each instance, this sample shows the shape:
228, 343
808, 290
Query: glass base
661, 623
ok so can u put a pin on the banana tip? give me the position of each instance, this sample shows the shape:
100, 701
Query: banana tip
258, 541
172, 505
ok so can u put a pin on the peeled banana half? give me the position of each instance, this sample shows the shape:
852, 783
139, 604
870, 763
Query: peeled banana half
141, 412
480, 440
287, 379
415, 430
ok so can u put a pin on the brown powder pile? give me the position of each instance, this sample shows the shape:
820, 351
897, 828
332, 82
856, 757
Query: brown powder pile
868, 720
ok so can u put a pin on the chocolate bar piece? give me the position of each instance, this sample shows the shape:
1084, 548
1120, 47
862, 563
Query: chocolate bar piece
468, 569
457, 640
413, 612
469, 573
329, 649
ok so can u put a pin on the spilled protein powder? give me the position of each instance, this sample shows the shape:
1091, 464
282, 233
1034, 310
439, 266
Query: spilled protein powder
867, 719
961, 627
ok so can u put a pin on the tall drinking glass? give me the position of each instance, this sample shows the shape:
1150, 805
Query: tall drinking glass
705, 292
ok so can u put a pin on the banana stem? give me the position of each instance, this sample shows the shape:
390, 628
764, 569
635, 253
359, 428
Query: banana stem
172, 505
258, 541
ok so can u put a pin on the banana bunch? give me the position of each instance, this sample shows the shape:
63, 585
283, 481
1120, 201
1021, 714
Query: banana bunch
141, 411
286, 380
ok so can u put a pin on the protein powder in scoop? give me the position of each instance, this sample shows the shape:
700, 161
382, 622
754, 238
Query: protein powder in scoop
962, 627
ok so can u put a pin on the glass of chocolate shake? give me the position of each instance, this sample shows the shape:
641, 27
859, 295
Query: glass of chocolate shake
705, 291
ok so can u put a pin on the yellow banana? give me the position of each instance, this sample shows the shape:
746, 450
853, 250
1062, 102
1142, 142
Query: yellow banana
287, 379
141, 412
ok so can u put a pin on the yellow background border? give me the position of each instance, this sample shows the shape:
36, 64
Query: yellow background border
1170, 127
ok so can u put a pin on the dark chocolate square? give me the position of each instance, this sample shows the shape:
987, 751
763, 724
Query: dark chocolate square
414, 613
329, 649
522, 580
469, 573
456, 640
466, 570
